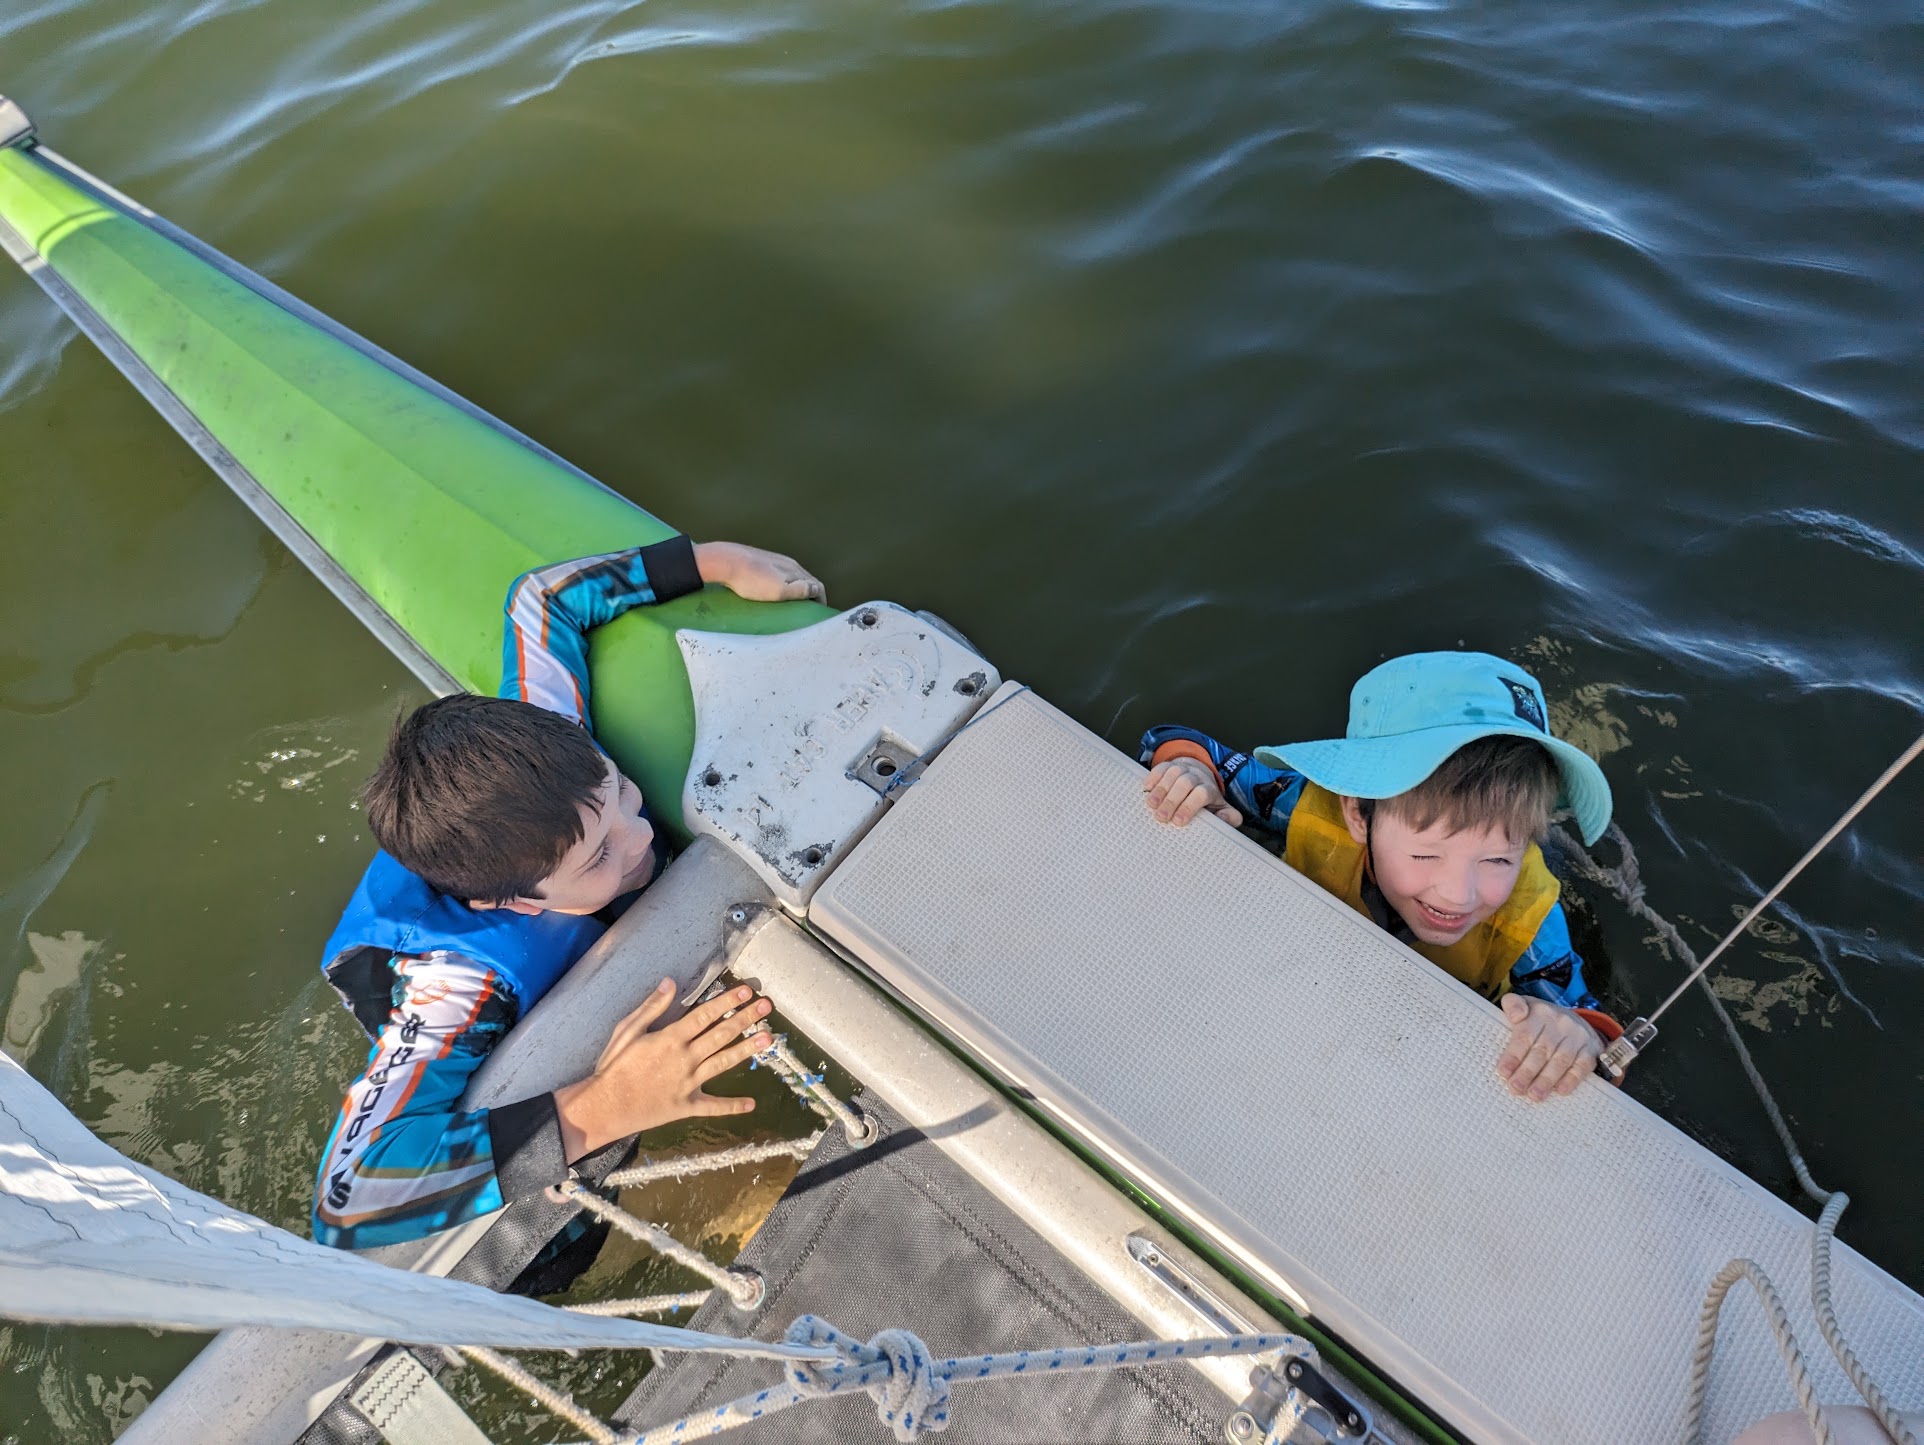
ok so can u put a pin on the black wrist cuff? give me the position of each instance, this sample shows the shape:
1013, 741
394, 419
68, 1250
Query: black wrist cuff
526, 1137
671, 568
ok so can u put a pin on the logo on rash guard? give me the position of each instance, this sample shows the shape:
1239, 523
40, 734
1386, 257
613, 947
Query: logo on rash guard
427, 1026
427, 994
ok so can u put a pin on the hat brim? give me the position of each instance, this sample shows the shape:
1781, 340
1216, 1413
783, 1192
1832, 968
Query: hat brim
1385, 767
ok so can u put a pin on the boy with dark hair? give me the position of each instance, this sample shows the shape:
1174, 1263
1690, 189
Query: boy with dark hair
503, 827
1424, 817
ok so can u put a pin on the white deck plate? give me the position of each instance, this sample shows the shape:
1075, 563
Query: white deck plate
1267, 1062
808, 707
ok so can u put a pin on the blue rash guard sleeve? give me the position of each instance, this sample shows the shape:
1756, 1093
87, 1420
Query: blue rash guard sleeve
404, 1159
1551, 968
550, 611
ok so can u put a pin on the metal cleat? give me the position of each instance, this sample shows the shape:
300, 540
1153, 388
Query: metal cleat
1293, 1403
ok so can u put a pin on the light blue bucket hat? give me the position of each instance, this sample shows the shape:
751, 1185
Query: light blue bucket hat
1411, 713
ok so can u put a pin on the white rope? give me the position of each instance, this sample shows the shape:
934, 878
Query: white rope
910, 1386
1820, 1299
650, 1171
809, 1088
1779, 1322
745, 1290
555, 1402
650, 1304
1626, 882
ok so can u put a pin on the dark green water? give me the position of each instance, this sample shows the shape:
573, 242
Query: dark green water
1192, 357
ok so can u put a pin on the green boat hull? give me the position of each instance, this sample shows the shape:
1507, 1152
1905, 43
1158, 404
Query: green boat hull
417, 508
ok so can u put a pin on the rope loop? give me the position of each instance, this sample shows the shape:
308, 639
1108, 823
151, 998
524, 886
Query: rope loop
897, 1370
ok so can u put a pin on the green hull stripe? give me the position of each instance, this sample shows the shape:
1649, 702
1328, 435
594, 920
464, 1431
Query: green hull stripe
428, 508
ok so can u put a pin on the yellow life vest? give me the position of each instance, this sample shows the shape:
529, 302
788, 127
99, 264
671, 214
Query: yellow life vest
1318, 846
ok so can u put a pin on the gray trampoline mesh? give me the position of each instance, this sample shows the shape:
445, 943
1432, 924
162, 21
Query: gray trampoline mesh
896, 1236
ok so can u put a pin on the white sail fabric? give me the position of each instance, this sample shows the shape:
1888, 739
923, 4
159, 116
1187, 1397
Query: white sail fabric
89, 1237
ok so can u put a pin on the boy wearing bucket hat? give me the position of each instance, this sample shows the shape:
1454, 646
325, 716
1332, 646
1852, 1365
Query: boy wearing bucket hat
1424, 817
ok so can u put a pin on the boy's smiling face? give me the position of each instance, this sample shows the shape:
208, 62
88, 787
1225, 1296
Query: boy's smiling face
1442, 883
616, 855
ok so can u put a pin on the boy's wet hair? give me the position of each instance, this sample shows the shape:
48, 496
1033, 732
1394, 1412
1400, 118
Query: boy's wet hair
1504, 782
480, 796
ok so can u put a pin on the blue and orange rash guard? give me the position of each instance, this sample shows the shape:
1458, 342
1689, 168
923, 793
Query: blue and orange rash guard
404, 1160
1549, 968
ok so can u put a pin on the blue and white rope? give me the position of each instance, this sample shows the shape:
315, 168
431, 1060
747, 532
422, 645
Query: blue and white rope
910, 1386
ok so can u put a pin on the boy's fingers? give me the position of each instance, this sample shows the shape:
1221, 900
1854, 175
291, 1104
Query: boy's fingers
1579, 1071
699, 1020
1197, 800
643, 1016
740, 1053
1156, 785
1180, 787
703, 1105
1521, 1035
1554, 1068
1229, 813
1541, 1050
730, 1030
797, 582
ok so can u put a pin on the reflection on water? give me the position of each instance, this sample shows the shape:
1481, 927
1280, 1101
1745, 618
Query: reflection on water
1192, 358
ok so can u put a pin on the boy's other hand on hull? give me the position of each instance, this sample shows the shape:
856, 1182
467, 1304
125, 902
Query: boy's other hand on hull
647, 1077
757, 574
1551, 1049
1179, 789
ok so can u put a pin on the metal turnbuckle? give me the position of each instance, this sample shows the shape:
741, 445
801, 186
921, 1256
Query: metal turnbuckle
1614, 1062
